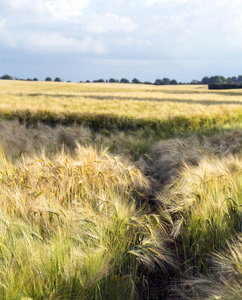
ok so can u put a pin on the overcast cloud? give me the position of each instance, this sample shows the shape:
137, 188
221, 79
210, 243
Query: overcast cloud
148, 39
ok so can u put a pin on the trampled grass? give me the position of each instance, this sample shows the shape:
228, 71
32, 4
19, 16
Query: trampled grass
110, 211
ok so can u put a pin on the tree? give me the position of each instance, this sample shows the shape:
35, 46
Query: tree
124, 80
217, 79
173, 82
158, 82
112, 80
223, 79
48, 79
57, 79
99, 80
229, 80
195, 81
136, 81
166, 81
6, 77
35, 79
205, 80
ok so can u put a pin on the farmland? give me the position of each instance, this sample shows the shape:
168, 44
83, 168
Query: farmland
120, 191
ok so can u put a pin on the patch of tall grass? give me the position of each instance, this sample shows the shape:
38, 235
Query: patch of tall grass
72, 229
196, 186
224, 280
206, 205
167, 157
17, 139
228, 264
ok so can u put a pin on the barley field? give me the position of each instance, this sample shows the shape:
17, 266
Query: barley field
120, 191
121, 106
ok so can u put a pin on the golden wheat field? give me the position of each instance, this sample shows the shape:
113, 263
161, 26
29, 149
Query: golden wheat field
120, 191
135, 101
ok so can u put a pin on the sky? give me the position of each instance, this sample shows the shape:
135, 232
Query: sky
82, 40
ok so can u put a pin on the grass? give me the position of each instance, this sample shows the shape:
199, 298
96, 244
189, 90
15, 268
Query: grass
206, 203
163, 111
196, 186
80, 212
119, 191
225, 280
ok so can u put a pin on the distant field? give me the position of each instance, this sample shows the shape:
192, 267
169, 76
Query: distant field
120, 191
166, 110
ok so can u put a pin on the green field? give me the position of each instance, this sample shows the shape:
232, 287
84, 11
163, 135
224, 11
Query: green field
120, 191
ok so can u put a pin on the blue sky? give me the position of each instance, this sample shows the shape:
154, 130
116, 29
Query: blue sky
148, 39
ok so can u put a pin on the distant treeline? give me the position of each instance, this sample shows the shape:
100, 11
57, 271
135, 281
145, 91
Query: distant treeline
224, 86
214, 82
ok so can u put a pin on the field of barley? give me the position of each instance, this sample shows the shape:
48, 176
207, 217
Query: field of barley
120, 191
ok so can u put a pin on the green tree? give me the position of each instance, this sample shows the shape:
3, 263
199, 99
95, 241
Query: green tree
99, 80
6, 77
124, 80
158, 82
57, 79
195, 81
166, 80
173, 82
48, 79
136, 81
205, 80
217, 79
112, 80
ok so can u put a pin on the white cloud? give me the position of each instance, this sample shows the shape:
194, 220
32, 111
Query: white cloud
57, 43
57, 8
126, 41
6, 38
108, 23
152, 2
123, 62
64, 8
3, 24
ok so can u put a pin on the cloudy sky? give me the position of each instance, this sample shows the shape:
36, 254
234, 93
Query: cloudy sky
147, 39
